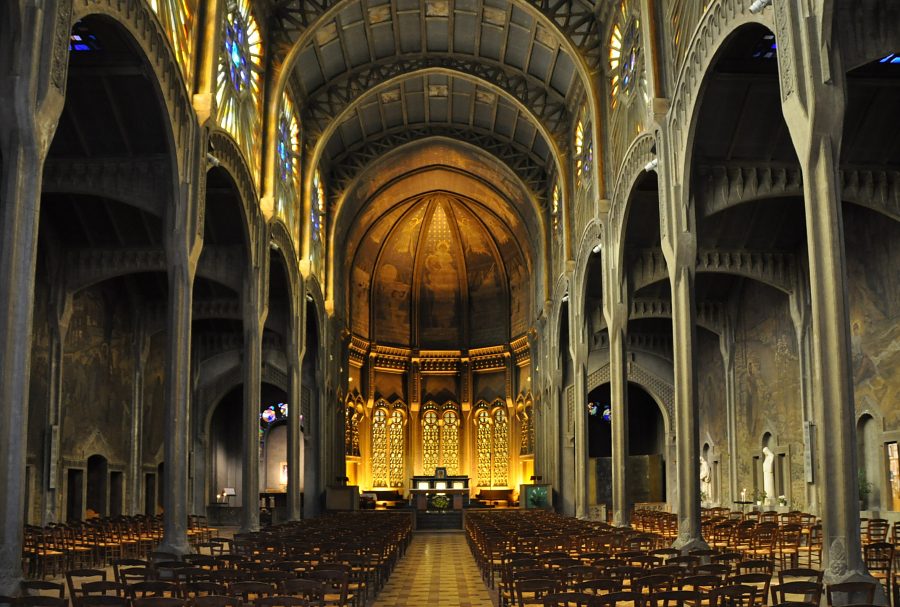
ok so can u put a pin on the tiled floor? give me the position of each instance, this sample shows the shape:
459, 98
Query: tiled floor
437, 571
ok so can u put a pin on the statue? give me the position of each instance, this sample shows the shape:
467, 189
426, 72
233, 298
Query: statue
705, 480
768, 475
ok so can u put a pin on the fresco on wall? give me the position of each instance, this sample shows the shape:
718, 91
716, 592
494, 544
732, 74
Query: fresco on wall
873, 248
360, 271
440, 273
767, 382
517, 274
154, 399
488, 307
393, 280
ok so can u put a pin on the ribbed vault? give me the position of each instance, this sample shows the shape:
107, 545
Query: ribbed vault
439, 271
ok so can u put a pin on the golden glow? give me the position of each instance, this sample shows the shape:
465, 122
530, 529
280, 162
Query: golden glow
483, 447
397, 445
500, 469
177, 19
440, 440
450, 442
492, 445
239, 81
430, 442
379, 449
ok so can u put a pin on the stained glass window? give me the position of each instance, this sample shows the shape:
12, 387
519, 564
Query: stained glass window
554, 206
379, 449
501, 447
396, 449
288, 184
317, 224
430, 442
239, 81
351, 432
483, 447
624, 53
579, 149
450, 442
177, 19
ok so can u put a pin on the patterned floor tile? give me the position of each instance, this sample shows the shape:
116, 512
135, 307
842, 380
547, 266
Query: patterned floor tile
437, 571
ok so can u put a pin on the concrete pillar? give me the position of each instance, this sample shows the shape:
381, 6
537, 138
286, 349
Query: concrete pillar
32, 81
813, 102
178, 400
618, 397
295, 437
581, 435
254, 312
687, 433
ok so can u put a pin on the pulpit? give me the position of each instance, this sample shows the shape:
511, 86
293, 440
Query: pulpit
424, 488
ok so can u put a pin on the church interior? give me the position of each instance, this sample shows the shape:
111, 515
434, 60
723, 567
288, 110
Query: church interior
449, 302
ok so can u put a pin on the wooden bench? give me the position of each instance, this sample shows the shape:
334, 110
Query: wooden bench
388, 498
501, 498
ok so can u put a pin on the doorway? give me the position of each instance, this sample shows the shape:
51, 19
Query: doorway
74, 494
97, 489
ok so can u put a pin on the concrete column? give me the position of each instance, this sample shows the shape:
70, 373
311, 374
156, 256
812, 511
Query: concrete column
178, 402
831, 364
581, 436
32, 79
813, 102
726, 348
295, 437
140, 351
618, 397
254, 320
687, 433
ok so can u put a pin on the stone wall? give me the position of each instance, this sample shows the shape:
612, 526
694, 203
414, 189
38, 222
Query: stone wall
873, 272
767, 384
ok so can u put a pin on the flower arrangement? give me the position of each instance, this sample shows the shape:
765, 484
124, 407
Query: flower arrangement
440, 502
760, 497
782, 500
537, 497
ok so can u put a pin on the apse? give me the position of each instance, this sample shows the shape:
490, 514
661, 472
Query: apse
439, 272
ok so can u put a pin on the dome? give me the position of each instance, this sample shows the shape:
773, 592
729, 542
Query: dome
439, 271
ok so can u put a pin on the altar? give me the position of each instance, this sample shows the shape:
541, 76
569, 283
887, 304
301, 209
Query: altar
424, 488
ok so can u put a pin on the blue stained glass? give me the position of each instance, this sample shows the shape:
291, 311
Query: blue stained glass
607, 413
269, 415
892, 58
283, 409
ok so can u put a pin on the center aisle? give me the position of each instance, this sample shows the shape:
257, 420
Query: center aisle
437, 571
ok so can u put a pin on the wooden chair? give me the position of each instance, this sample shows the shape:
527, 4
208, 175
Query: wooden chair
598, 586
734, 595
879, 558
306, 589
616, 599
77, 577
280, 601
104, 601
798, 592
674, 598
247, 589
43, 588
571, 599
41, 601
532, 592
760, 581
159, 601
143, 590
192, 590
857, 592
337, 587
215, 600
800, 574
